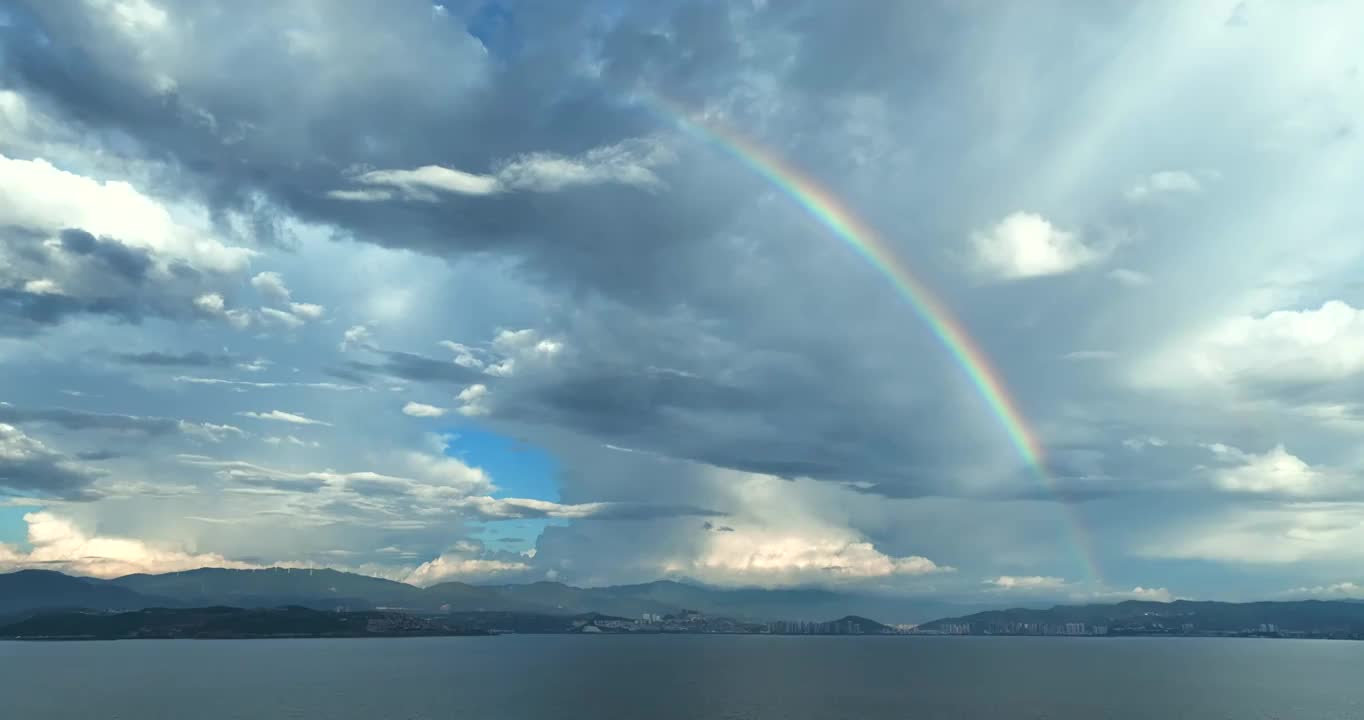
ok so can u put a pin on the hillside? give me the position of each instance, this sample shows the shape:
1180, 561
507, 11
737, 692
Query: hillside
325, 589
1312, 618
36, 589
272, 587
223, 622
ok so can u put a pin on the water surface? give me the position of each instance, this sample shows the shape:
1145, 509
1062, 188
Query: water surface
675, 677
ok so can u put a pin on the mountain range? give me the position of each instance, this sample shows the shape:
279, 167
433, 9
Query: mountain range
331, 589
26, 591
1307, 618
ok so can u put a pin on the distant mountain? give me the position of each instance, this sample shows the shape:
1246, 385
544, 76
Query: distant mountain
38, 589
274, 587
225, 622
323, 589
1326, 618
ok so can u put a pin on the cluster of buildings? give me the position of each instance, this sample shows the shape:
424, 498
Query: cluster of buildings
684, 621
1018, 628
846, 626
394, 622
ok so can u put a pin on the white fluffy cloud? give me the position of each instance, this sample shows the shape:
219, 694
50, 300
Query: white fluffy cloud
416, 409
1296, 532
271, 286
307, 311
38, 196
473, 399
291, 440
214, 305
57, 543
457, 567
627, 163
1128, 277
355, 336
281, 318
1027, 245
1312, 345
1334, 590
1274, 471
213, 432
1026, 582
510, 352
783, 558
1165, 181
1152, 594
281, 416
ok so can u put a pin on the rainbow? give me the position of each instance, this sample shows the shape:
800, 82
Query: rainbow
832, 213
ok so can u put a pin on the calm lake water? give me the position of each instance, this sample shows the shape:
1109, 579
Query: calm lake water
792, 678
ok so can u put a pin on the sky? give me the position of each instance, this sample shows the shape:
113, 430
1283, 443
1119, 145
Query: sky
979, 302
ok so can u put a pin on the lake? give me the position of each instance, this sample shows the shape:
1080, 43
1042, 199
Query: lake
697, 676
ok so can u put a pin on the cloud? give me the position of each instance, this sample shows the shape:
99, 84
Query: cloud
1085, 355
418, 184
454, 567
626, 163
1292, 533
211, 431
778, 558
1026, 582
291, 440
281, 318
29, 466
271, 287
39, 196
57, 543
212, 304
1129, 278
473, 400
416, 409
1025, 245
265, 384
189, 359
366, 195
281, 416
307, 311
1165, 182
83, 420
1286, 346
418, 368
48, 277
1153, 594
1275, 471
701, 319
354, 337
1334, 590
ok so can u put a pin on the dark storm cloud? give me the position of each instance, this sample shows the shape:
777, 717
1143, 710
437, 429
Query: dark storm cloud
24, 313
650, 511
45, 476
27, 466
409, 366
95, 455
189, 359
285, 484
811, 412
538, 100
131, 264
95, 275
83, 420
